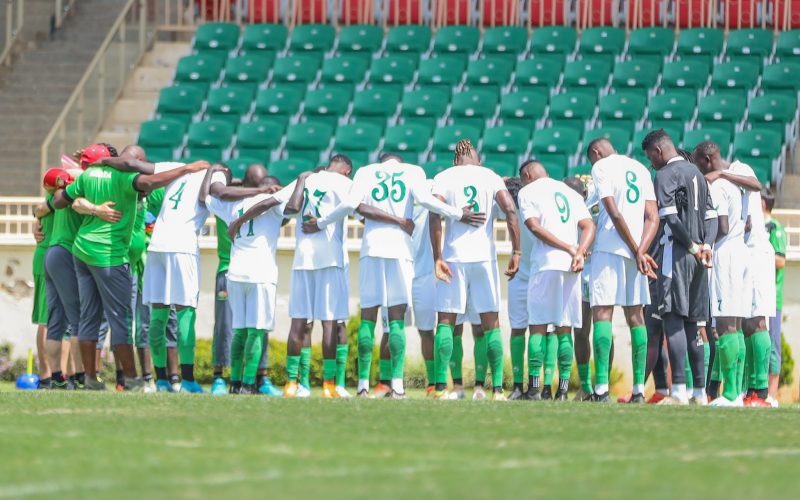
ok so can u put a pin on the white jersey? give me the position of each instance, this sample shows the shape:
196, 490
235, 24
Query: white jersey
558, 208
727, 199
461, 186
324, 191
628, 182
392, 187
526, 243
182, 215
752, 208
254, 247
421, 241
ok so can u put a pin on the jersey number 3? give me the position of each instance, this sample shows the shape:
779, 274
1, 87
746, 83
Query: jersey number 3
397, 192
471, 192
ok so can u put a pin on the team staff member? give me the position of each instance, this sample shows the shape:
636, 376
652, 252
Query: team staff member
777, 237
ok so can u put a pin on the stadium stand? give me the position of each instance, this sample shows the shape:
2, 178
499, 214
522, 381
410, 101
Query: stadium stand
538, 77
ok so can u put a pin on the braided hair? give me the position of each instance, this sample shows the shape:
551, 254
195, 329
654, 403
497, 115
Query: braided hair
463, 149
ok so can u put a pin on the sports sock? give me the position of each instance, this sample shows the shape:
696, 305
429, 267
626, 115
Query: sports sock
385, 371
342, 350
679, 392
550, 358
602, 351
186, 335
429, 371
442, 351
563, 384
217, 373
366, 344
292, 367
749, 379
397, 347
688, 373
706, 354
158, 336
518, 358
457, 359
585, 374
762, 348
639, 356
479, 352
565, 355
161, 374
740, 360
535, 355
187, 372
252, 354
120, 376
494, 351
328, 369
728, 354
237, 354
304, 367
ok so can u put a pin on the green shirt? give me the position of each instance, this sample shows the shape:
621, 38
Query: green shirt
65, 226
47, 229
138, 238
777, 236
223, 246
155, 200
100, 243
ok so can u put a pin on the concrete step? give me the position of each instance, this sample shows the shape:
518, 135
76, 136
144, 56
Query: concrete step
166, 54
117, 139
129, 111
148, 81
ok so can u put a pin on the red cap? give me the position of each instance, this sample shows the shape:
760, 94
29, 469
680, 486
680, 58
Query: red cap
57, 178
93, 154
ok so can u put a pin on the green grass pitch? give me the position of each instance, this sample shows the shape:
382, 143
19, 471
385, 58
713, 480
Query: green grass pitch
82, 445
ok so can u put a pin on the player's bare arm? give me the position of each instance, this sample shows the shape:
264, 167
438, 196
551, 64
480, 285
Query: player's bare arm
549, 238
507, 205
149, 183
104, 211
440, 267
38, 233
254, 211
588, 229
124, 164
227, 192
42, 210
743, 181
295, 202
378, 215
437, 205
644, 261
723, 226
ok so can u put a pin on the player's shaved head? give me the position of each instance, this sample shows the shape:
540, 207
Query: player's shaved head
466, 154
707, 156
598, 149
659, 148
269, 180
528, 169
576, 185
134, 151
390, 156
340, 164
254, 174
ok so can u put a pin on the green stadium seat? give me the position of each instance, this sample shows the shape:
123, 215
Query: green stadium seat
772, 112
694, 137
308, 140
553, 39
411, 40
556, 141
572, 110
345, 71
240, 164
229, 104
635, 74
620, 138
408, 140
584, 169
700, 43
676, 133
249, 70
375, 106
179, 103
199, 69
503, 168
297, 70
434, 167
361, 40
457, 40
489, 73
671, 110
505, 144
590, 74
523, 108
735, 77
445, 139
445, 71
473, 107
787, 48
556, 165
506, 41
537, 72
783, 78
357, 141
160, 138
651, 43
689, 75
750, 44
391, 71
326, 105
722, 111
209, 139
258, 140
602, 41
279, 103
424, 107
264, 38
753, 145
287, 170
622, 109
222, 37
312, 38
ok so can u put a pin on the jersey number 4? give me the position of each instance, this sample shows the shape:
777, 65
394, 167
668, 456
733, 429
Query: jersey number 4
176, 198
397, 191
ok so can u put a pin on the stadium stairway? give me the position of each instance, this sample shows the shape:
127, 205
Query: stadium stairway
38, 84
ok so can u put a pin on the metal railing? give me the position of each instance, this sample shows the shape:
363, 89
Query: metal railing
104, 80
15, 20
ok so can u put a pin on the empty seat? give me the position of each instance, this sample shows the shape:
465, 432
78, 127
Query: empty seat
287, 170
701, 43
209, 139
537, 72
179, 103
671, 110
312, 38
505, 144
473, 107
589, 74
308, 140
258, 140
492, 72
618, 137
457, 40
676, 134
434, 167
523, 108
410, 40
298, 70
160, 138
239, 165
200, 69
278, 102
425, 107
782, 78
724, 111
602, 41
556, 140
375, 106
772, 112
635, 74
750, 42
690, 75
445, 138
357, 141
391, 71
549, 39
736, 77
446, 71
264, 37
326, 105
223, 37
788, 45
507, 41
409, 140
572, 109
622, 109
229, 104
694, 137
363, 40
248, 70
651, 43
757, 143
345, 71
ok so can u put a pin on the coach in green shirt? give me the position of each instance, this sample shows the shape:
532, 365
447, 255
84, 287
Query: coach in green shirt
777, 236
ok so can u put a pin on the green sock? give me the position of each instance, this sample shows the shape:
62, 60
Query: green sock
716, 376
342, 350
158, 336
252, 354
457, 359
304, 366
237, 353
565, 354
749, 379
397, 347
186, 335
494, 351
479, 352
385, 369
366, 343
687, 370
442, 351
585, 374
740, 361
292, 367
328, 369
762, 347
430, 372
639, 353
706, 355
518, 358
602, 351
550, 358
535, 354
728, 354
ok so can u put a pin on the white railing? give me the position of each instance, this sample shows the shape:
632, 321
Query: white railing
86, 109
15, 20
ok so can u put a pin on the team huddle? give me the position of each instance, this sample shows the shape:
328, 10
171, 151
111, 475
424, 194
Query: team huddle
690, 259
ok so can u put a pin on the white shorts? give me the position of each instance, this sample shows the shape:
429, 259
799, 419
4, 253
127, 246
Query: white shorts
471, 317
760, 281
554, 297
384, 282
423, 300
616, 281
252, 304
171, 279
518, 302
728, 297
474, 285
319, 294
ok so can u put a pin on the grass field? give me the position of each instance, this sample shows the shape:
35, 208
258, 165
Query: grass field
72, 445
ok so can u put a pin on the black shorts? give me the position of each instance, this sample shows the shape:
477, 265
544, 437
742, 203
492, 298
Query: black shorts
686, 292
